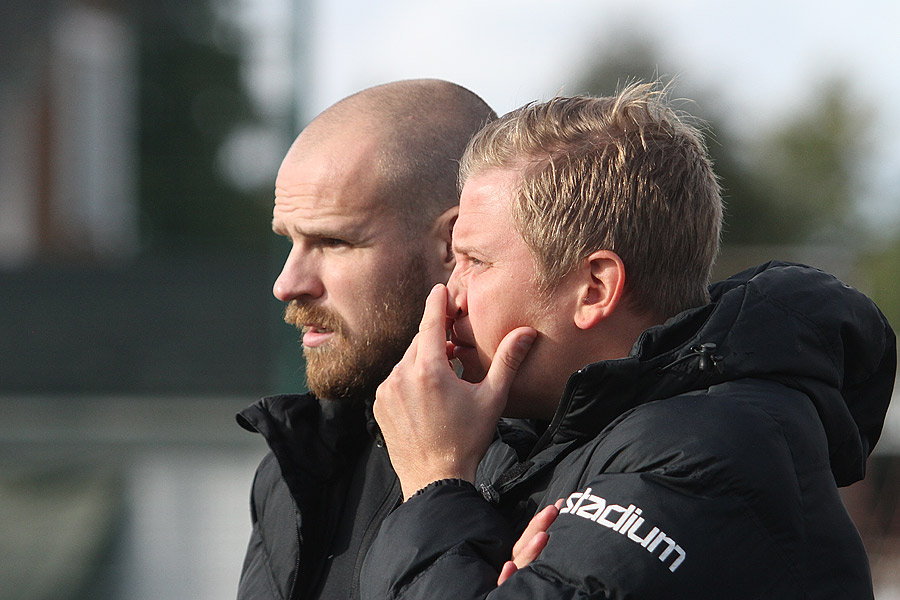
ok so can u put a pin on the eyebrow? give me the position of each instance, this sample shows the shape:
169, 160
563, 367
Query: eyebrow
469, 250
460, 249
355, 231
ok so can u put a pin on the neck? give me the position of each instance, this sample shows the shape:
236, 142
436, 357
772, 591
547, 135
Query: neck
615, 336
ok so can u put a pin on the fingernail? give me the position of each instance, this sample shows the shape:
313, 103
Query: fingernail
525, 341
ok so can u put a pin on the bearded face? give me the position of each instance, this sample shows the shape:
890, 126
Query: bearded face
353, 362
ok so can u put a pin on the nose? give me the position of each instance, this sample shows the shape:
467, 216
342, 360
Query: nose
456, 296
299, 277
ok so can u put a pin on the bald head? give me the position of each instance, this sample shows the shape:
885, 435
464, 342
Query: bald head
411, 135
367, 195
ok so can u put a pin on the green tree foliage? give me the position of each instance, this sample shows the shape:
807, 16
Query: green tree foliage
807, 169
791, 184
881, 270
191, 99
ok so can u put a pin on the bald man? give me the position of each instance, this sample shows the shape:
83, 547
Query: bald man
367, 194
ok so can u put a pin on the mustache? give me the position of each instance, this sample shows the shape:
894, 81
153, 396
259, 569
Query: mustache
300, 315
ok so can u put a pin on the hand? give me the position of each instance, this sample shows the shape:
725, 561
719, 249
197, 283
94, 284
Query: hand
532, 541
437, 426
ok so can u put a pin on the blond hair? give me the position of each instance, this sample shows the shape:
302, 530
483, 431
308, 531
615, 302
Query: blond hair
625, 173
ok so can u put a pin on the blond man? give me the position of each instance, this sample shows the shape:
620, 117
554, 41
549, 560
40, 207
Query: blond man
695, 435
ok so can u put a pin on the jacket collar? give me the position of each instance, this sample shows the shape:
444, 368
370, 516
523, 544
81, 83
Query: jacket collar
318, 438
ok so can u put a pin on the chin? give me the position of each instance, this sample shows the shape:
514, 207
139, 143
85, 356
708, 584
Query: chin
515, 411
472, 375
530, 401
472, 369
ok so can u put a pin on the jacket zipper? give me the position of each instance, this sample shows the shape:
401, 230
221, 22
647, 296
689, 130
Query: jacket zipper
390, 500
297, 517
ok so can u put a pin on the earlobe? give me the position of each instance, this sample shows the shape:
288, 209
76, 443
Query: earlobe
602, 283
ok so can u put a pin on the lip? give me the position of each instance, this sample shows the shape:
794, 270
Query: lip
457, 342
467, 356
314, 337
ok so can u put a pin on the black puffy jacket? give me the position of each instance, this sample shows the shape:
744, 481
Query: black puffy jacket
317, 498
703, 465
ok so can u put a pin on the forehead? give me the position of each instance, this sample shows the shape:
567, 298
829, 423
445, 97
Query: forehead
485, 209
338, 178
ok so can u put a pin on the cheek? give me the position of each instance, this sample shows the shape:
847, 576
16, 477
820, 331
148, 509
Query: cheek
489, 324
349, 292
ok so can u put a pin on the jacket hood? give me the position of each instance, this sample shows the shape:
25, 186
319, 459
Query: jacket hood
780, 321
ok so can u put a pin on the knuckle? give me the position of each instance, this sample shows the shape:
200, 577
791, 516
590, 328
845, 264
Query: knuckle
510, 361
427, 325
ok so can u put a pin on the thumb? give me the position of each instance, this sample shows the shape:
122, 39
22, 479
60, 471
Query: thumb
508, 358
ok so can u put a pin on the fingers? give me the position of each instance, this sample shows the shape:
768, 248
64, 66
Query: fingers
509, 567
432, 337
532, 541
508, 357
539, 522
532, 550
409, 356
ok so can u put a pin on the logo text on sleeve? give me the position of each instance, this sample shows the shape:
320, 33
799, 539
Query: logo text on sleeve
626, 521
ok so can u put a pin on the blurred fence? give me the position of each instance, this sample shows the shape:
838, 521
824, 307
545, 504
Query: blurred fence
123, 498
122, 472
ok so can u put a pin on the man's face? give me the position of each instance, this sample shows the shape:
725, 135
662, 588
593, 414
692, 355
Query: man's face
354, 284
493, 288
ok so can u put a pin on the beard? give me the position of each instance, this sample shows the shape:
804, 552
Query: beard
352, 364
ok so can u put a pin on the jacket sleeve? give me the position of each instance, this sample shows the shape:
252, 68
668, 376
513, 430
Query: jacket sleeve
270, 564
444, 542
252, 574
677, 524
252, 571
621, 536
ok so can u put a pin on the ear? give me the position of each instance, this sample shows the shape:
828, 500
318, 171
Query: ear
442, 237
601, 285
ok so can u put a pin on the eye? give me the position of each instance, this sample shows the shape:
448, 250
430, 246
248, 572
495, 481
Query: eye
333, 242
467, 261
476, 263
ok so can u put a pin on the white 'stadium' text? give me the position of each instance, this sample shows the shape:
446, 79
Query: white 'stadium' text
626, 521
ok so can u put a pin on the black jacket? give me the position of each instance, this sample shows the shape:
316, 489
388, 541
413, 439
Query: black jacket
317, 498
703, 465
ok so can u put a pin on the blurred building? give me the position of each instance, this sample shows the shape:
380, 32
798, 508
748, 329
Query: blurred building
123, 357
67, 140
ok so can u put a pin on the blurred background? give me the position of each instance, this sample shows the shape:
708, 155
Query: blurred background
139, 143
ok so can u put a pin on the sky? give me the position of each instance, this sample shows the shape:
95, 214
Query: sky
761, 61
